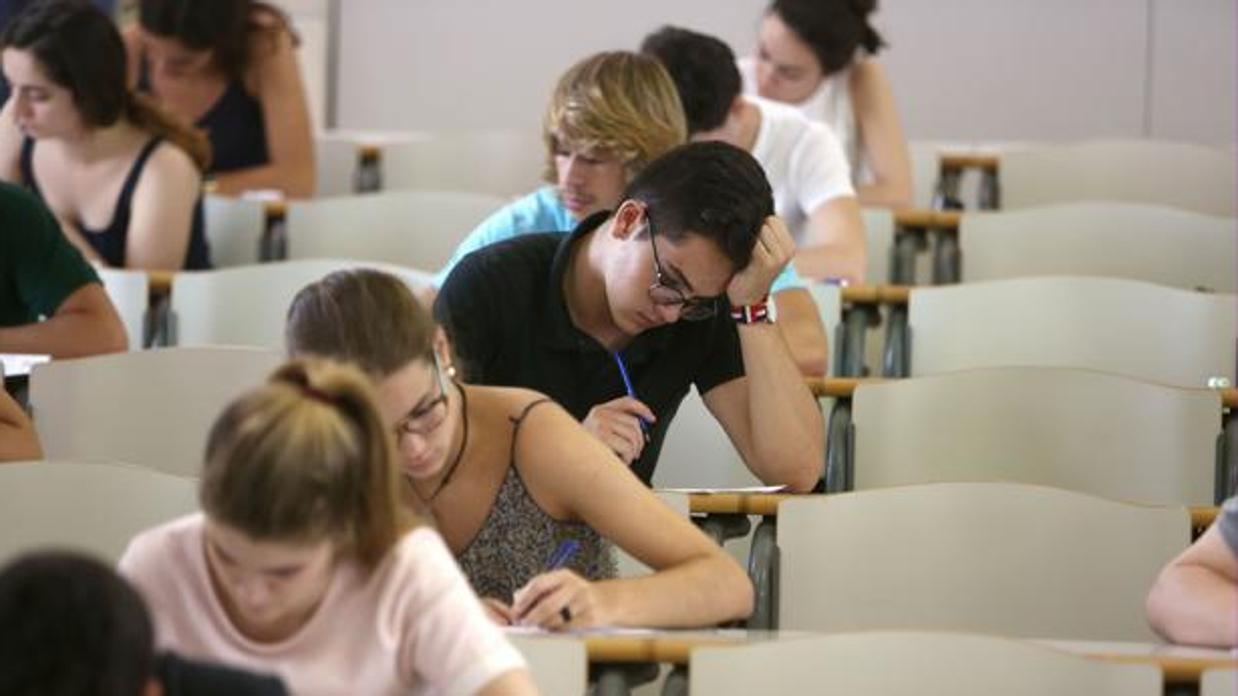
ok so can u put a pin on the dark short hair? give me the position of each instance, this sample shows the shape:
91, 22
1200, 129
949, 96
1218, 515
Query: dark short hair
71, 627
832, 29
80, 49
703, 70
711, 189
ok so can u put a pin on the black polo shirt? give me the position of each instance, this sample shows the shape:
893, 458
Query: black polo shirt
504, 309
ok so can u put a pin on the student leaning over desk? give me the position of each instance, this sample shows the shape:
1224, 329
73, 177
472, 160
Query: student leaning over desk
672, 284
508, 476
610, 115
306, 563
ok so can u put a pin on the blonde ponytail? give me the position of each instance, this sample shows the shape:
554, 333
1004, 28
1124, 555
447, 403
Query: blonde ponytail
307, 457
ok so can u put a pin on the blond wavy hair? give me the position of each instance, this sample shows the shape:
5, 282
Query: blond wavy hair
617, 102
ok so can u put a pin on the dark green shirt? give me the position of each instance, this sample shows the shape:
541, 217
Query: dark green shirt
39, 268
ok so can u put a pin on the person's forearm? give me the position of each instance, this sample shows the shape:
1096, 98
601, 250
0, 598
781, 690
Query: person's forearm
294, 180
802, 329
1194, 605
788, 434
884, 195
832, 261
701, 592
67, 335
17, 437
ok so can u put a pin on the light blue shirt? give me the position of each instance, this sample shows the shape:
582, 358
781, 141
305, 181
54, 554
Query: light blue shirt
542, 211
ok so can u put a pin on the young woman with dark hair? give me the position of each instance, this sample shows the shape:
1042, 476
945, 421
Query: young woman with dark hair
820, 55
123, 178
230, 67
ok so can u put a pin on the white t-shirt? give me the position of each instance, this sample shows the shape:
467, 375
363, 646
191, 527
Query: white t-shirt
803, 161
412, 625
830, 104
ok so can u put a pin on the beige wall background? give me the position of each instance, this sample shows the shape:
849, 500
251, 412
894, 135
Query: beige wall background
962, 69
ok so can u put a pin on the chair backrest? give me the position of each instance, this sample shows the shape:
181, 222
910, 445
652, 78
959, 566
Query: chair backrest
1169, 246
1181, 175
412, 228
1088, 431
129, 292
998, 558
233, 229
499, 162
558, 664
879, 236
338, 152
909, 663
1219, 682
248, 305
151, 408
91, 507
1129, 327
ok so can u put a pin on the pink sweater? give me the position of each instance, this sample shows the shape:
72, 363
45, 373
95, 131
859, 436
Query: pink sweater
412, 625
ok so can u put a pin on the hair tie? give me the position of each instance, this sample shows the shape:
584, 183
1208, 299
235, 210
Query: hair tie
318, 395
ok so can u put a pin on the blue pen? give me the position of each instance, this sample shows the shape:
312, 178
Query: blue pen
562, 554
627, 384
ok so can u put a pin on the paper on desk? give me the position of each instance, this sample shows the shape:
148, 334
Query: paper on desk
741, 489
16, 364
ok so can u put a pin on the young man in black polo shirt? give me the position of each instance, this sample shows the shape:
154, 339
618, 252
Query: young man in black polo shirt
672, 286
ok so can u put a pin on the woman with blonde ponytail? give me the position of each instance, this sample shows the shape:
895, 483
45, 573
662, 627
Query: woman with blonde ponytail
306, 562
123, 178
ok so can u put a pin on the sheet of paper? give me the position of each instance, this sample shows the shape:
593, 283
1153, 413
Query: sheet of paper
742, 489
17, 364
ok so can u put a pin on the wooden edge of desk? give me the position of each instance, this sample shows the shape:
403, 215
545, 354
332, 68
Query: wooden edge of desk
837, 387
160, 282
928, 219
764, 504
1203, 517
876, 294
957, 160
1229, 397
603, 648
1176, 669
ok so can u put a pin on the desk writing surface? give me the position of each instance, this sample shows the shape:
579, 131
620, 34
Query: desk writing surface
1179, 663
657, 645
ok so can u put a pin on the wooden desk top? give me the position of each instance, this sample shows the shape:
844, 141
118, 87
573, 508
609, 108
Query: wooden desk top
766, 504
1180, 664
665, 645
949, 160
928, 218
876, 294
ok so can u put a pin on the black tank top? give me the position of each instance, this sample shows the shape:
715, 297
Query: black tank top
110, 242
234, 124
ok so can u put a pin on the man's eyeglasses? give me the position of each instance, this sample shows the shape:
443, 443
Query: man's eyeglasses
665, 291
425, 420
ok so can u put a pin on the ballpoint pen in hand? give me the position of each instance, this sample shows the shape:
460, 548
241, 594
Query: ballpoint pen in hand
627, 384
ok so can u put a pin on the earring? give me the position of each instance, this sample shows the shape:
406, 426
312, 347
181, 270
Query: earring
451, 371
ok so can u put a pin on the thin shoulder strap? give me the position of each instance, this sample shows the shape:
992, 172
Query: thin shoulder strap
519, 420
131, 179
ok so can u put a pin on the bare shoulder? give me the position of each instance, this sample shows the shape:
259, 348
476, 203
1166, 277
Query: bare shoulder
270, 34
868, 79
169, 161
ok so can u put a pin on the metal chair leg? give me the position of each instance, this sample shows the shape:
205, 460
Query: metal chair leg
836, 447
722, 527
762, 570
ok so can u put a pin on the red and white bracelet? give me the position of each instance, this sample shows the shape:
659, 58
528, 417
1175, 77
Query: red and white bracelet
758, 312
